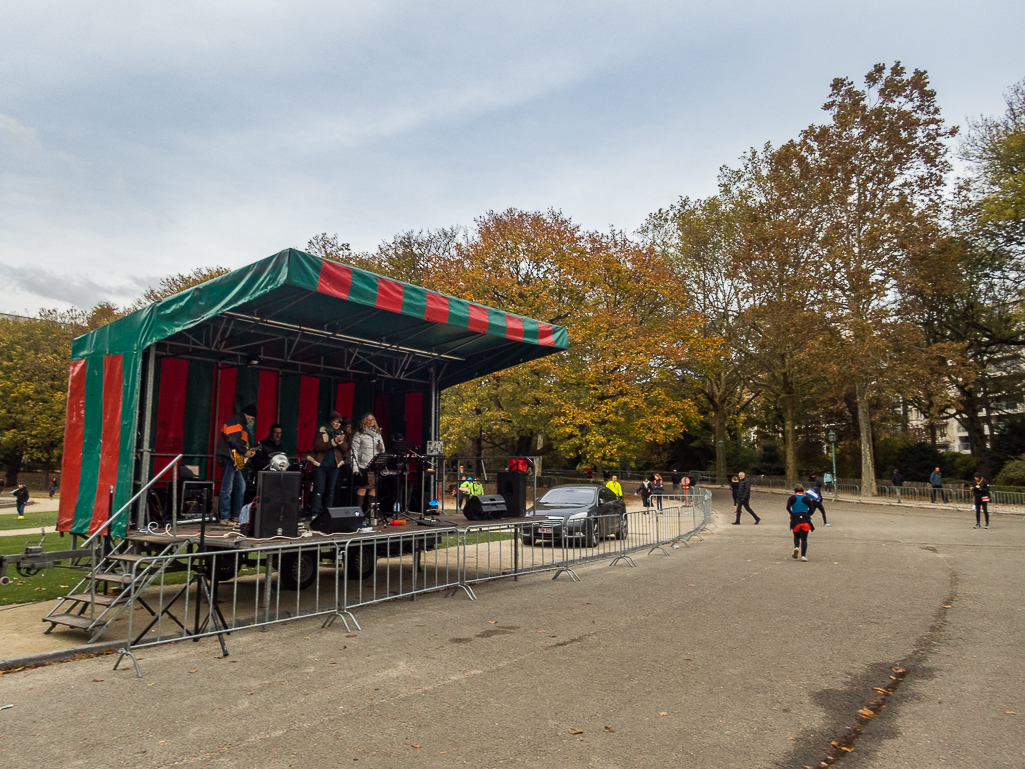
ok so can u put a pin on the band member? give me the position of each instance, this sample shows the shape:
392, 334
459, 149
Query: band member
330, 450
366, 444
232, 453
268, 447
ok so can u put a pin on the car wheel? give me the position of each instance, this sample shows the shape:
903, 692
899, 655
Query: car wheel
360, 562
298, 570
592, 534
622, 532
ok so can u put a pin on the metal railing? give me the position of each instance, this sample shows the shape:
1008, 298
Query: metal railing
218, 592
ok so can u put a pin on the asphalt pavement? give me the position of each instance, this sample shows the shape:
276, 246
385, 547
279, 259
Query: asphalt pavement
899, 640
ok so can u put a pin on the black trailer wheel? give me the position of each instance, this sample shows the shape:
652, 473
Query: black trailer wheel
360, 562
298, 570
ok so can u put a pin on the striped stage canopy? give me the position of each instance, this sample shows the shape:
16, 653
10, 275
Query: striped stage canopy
297, 335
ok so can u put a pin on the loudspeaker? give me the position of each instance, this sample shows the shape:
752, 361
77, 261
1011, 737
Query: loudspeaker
277, 515
338, 520
512, 486
484, 507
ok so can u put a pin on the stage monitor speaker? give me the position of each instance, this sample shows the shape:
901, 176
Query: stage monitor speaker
277, 515
512, 486
338, 520
484, 507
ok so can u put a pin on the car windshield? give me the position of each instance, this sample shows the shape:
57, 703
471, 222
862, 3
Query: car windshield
578, 496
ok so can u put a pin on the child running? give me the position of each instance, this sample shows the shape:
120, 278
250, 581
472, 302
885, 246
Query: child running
799, 507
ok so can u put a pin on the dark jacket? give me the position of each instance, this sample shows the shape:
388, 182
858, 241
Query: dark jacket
21, 494
234, 435
744, 490
898, 479
936, 479
266, 450
980, 489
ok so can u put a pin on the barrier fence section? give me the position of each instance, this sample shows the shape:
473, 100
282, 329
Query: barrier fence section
1012, 502
216, 593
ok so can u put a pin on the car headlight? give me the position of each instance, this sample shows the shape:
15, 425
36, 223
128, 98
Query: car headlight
578, 516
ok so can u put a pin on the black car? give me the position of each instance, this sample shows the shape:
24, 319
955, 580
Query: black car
571, 513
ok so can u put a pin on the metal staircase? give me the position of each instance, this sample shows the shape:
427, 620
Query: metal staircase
128, 567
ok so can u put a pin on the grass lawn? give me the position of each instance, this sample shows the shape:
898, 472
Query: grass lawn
51, 583
30, 521
475, 538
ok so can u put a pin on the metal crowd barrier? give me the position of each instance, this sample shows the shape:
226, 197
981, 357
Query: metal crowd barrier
216, 593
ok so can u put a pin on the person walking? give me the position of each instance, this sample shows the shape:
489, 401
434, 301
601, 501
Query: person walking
936, 481
658, 487
898, 483
734, 485
814, 498
21, 499
800, 521
980, 490
645, 492
53, 487
744, 497
675, 479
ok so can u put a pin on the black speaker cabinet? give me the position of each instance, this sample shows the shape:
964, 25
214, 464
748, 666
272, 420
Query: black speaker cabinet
338, 520
278, 512
484, 507
513, 488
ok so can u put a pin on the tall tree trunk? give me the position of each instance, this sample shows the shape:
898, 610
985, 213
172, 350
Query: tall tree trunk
868, 463
786, 403
720, 442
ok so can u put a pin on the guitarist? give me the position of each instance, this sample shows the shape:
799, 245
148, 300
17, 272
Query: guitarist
232, 454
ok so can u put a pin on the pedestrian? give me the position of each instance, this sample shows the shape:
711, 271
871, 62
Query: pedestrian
898, 483
744, 497
53, 487
814, 495
658, 487
936, 481
615, 486
980, 490
21, 499
645, 491
828, 478
800, 521
675, 479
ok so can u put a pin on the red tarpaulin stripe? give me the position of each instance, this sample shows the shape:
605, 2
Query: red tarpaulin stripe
335, 279
266, 404
545, 334
309, 394
110, 442
437, 308
227, 379
478, 319
74, 433
170, 435
389, 295
344, 398
514, 328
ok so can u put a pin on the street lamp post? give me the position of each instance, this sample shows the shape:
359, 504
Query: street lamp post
832, 448
721, 464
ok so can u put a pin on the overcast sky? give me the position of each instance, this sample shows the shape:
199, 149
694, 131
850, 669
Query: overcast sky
139, 140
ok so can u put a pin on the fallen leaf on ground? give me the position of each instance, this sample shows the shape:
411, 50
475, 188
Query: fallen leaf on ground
194, 670
492, 622
945, 606
576, 731
877, 689
609, 729
97, 680
867, 713
416, 745
663, 713
1010, 713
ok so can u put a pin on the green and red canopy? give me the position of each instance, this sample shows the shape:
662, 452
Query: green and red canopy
331, 328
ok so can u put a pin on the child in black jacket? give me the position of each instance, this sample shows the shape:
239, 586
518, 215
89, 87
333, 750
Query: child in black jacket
799, 506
